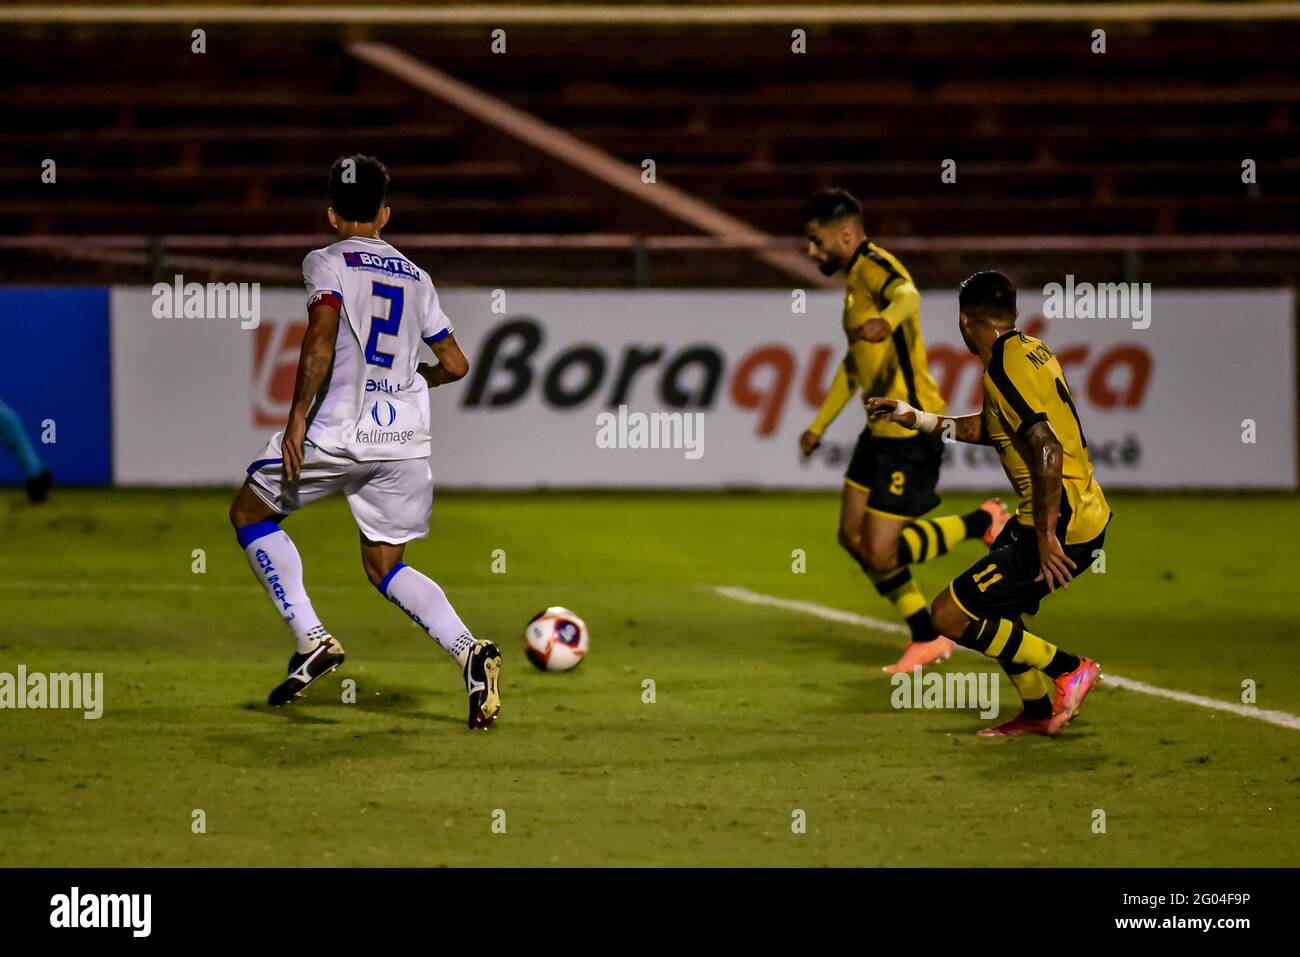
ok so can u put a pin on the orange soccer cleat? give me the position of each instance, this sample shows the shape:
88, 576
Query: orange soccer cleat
997, 510
921, 653
1019, 727
1072, 688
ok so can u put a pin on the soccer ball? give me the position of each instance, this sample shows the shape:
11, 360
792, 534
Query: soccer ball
555, 639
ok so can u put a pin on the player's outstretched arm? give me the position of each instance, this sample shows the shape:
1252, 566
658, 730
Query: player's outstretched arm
452, 364
961, 428
843, 386
313, 364
1045, 464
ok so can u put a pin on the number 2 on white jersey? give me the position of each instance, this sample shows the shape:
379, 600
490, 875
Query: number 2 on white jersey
384, 325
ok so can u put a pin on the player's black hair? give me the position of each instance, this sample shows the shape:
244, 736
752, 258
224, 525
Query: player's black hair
830, 205
987, 295
358, 187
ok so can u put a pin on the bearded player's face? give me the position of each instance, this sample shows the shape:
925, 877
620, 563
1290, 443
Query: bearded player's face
827, 246
965, 336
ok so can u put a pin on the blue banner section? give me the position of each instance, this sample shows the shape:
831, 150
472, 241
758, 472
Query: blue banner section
54, 373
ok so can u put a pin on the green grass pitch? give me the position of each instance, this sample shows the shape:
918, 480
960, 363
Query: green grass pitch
759, 711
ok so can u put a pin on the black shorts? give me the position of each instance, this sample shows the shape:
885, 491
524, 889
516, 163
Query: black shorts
899, 475
1001, 584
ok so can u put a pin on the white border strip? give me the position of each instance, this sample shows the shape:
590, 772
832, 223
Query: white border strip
612, 15
1282, 719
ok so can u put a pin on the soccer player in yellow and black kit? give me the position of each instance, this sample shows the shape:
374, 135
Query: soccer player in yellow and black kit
1030, 418
891, 479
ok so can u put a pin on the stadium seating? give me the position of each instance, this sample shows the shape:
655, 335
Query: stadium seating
1049, 138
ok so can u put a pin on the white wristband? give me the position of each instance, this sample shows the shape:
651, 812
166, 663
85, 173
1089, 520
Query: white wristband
926, 421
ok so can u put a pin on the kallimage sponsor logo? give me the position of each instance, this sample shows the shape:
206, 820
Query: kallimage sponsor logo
77, 910
384, 413
33, 691
381, 437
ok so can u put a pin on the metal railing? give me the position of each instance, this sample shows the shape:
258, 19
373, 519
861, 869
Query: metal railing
623, 261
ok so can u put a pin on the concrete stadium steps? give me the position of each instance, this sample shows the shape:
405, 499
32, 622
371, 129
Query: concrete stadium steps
1048, 137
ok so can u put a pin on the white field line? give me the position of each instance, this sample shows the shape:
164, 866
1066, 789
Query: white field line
1282, 719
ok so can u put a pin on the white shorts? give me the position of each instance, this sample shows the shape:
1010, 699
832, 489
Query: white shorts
391, 500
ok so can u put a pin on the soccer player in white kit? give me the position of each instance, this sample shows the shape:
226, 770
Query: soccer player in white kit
359, 424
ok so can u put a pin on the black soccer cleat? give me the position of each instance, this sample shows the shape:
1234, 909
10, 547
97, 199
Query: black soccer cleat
482, 672
38, 486
304, 668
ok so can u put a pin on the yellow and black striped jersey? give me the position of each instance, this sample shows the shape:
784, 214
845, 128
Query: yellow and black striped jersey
1024, 385
895, 368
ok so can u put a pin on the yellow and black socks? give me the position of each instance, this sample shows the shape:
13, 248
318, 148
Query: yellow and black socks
1034, 687
927, 538
905, 595
1007, 641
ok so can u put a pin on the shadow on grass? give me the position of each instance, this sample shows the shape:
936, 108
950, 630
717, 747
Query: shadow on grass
405, 703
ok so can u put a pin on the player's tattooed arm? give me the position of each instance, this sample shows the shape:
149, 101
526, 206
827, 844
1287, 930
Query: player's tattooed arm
966, 428
313, 365
452, 364
959, 428
1045, 463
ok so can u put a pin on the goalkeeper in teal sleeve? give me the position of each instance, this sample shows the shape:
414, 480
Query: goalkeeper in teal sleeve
14, 437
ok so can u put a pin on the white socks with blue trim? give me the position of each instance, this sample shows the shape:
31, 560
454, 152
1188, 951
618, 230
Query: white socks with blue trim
277, 565
421, 598
275, 561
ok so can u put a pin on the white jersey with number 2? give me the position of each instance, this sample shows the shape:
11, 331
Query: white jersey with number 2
373, 405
